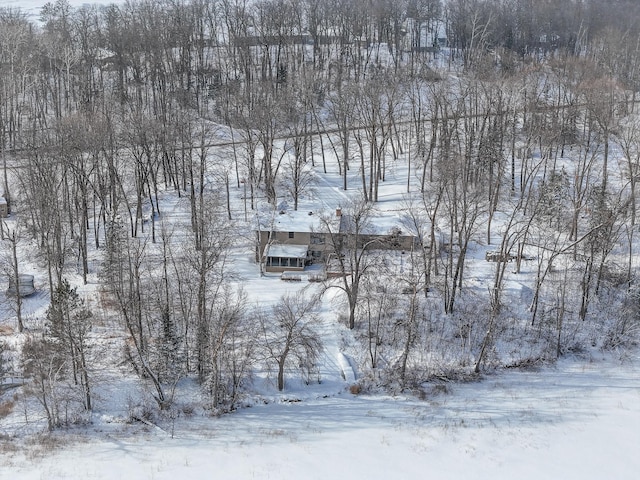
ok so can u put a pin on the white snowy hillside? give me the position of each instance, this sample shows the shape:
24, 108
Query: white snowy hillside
319, 239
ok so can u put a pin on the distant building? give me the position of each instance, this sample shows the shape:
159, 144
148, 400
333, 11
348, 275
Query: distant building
272, 40
25, 284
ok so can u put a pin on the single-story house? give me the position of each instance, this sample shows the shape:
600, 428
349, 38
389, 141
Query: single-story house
290, 240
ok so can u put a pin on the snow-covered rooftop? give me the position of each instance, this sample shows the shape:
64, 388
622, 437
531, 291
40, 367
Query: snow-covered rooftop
287, 251
295, 221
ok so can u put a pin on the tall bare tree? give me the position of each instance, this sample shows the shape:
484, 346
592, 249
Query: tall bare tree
289, 334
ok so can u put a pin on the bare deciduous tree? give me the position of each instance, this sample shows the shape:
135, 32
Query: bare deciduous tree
290, 338
350, 250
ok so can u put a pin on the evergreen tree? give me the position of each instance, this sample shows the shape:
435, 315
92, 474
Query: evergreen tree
69, 324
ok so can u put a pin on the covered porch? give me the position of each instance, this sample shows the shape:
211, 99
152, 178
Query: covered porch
279, 258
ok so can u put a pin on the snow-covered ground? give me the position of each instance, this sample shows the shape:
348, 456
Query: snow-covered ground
578, 419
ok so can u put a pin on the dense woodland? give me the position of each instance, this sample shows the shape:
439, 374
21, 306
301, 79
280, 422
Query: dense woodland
515, 120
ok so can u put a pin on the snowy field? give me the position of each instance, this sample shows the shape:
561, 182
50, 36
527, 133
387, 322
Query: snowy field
577, 420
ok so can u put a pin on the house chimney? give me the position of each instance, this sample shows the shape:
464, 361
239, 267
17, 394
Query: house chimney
338, 212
